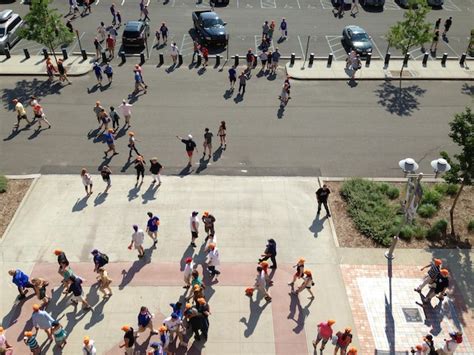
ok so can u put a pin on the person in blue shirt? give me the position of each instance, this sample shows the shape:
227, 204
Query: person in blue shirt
177, 309
145, 321
100, 259
22, 281
232, 77
109, 72
110, 140
152, 227
98, 73
139, 82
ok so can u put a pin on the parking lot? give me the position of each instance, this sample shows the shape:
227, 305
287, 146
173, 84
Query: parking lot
312, 28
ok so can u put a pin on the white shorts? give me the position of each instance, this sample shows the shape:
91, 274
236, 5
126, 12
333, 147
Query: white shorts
78, 298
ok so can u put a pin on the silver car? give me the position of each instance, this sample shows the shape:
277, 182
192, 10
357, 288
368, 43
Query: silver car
10, 23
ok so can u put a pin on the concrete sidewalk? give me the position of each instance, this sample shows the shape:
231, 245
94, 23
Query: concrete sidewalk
36, 65
249, 210
378, 71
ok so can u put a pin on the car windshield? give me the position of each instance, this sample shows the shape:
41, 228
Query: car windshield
212, 22
360, 37
2, 32
131, 34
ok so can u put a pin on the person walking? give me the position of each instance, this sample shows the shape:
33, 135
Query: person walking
324, 333
4, 345
50, 70
208, 220
139, 164
207, 145
354, 7
104, 282
232, 77
194, 225
98, 73
344, 338
20, 114
30, 340
114, 14
242, 82
222, 133
102, 31
155, 170
434, 43
447, 26
132, 145
109, 72
126, 109
110, 140
263, 58
190, 147
40, 116
196, 50
437, 23
42, 320
139, 82
261, 284
204, 311
283, 29
86, 181
194, 320
275, 59
88, 347
60, 334
114, 116
299, 273
75, 287
205, 56
174, 52
270, 253
86, 7
284, 95
145, 321
250, 58
440, 286
175, 327
119, 19
138, 237
164, 32
99, 259
39, 286
213, 260
128, 340
152, 226
62, 72
98, 109
146, 12
98, 48
451, 344
188, 269
322, 195
307, 284
110, 45
21, 281
432, 274
265, 29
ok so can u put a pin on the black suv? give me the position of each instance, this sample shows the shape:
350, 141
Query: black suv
210, 28
135, 33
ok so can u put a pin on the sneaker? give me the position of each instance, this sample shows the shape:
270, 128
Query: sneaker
155, 241
193, 245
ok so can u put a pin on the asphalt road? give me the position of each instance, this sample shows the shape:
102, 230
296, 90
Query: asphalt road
305, 18
328, 128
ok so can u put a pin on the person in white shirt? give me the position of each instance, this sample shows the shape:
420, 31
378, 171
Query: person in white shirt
88, 348
138, 236
451, 344
213, 260
188, 269
86, 181
261, 283
175, 327
194, 225
174, 52
126, 109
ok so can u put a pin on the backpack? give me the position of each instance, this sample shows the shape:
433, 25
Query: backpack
104, 258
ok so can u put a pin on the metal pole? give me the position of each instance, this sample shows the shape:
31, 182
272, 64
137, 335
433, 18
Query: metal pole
228, 38
79, 40
146, 46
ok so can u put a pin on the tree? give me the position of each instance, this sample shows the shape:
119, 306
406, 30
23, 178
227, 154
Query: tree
462, 170
45, 26
412, 31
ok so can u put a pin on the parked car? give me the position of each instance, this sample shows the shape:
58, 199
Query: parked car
357, 38
210, 28
219, 2
10, 23
374, 3
432, 3
135, 33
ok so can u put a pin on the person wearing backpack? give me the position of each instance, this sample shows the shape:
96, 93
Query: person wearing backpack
100, 259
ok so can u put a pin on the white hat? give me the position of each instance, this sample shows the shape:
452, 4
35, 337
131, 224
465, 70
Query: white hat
440, 165
408, 165
190, 136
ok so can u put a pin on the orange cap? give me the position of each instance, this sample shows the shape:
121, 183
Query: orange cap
352, 351
348, 330
264, 264
1, 330
131, 133
206, 214
331, 321
125, 328
36, 307
162, 329
196, 287
444, 272
188, 306
57, 251
212, 246
438, 262
28, 334
86, 340
307, 272
301, 261
201, 300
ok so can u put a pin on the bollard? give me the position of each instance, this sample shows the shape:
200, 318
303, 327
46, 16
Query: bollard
7, 53
162, 59
425, 59
236, 60
443, 60
311, 60
63, 50
142, 58
330, 56
368, 59
199, 60
27, 53
387, 59
462, 60
45, 53
218, 60
180, 59
104, 57
405, 60
292, 59
84, 54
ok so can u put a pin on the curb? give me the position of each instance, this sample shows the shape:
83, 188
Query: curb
23, 201
22, 177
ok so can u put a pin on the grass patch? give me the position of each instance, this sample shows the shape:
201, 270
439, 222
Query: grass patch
3, 184
427, 210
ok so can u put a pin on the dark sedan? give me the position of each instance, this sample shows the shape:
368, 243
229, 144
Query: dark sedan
219, 2
135, 33
356, 38
210, 28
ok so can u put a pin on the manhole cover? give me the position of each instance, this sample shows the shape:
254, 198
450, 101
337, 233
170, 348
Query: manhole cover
396, 74
412, 315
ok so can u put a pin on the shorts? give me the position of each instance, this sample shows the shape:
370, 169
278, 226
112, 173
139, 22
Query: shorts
189, 153
79, 298
264, 62
319, 338
342, 347
109, 75
232, 79
22, 117
111, 146
194, 234
138, 246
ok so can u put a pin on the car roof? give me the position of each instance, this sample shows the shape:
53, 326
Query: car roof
356, 29
133, 25
210, 14
5, 15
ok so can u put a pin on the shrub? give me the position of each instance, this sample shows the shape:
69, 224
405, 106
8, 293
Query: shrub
369, 209
438, 229
427, 210
392, 193
432, 197
441, 188
452, 189
3, 184
384, 187
470, 225
419, 232
406, 232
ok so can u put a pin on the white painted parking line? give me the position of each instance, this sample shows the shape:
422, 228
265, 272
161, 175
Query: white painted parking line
268, 4
123, 2
335, 46
312, 4
301, 47
71, 49
97, 2
377, 48
298, 3
187, 46
150, 49
449, 5
326, 4
452, 49
238, 5
391, 5
421, 54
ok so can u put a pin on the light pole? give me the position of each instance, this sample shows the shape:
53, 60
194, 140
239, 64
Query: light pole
414, 192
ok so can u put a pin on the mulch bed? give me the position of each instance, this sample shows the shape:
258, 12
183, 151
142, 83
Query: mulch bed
10, 200
349, 237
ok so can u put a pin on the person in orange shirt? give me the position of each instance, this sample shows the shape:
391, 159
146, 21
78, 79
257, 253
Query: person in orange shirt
41, 117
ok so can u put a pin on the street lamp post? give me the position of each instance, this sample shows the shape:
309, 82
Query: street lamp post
414, 192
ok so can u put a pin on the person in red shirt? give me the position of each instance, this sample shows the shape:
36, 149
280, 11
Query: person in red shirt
205, 55
343, 341
40, 116
324, 333
110, 45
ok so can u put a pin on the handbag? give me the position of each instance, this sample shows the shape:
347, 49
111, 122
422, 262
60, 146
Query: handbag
334, 339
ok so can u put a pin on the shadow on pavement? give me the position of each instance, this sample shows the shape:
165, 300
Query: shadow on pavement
467, 89
303, 312
80, 204
399, 101
318, 225
100, 198
187, 170
133, 192
128, 275
217, 154
255, 312
24, 89
202, 165
149, 194
14, 133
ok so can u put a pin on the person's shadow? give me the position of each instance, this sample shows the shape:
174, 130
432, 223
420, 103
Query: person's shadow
281, 112
303, 313
149, 194
133, 192
100, 198
12, 316
202, 164
228, 94
128, 275
433, 315
318, 225
187, 170
255, 312
80, 204
217, 154
14, 133
239, 98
